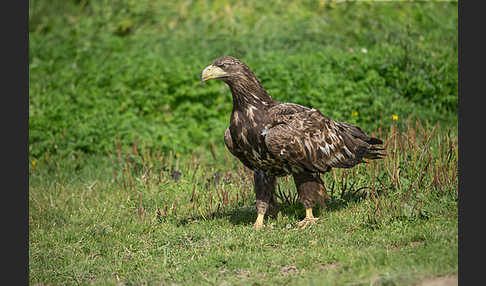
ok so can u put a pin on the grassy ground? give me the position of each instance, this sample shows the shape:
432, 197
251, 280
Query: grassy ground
99, 70
129, 180
144, 218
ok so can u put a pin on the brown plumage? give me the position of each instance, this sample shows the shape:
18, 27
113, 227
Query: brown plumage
276, 139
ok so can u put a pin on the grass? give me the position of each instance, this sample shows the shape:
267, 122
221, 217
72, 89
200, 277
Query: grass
129, 179
141, 217
103, 69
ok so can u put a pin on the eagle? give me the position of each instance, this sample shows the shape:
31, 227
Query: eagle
275, 139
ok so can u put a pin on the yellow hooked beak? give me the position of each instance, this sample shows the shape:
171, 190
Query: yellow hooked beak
211, 72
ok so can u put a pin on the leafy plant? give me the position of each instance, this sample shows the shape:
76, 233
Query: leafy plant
100, 70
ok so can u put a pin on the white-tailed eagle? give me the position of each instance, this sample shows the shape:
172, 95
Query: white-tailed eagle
276, 139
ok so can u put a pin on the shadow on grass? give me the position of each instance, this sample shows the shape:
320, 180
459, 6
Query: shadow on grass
246, 215
237, 215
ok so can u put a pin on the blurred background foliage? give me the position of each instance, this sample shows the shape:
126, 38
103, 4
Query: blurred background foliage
103, 70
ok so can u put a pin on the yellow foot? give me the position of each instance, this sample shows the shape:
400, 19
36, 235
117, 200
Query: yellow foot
306, 221
259, 222
309, 218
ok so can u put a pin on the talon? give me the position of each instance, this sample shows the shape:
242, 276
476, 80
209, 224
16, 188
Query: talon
259, 222
257, 226
309, 218
302, 224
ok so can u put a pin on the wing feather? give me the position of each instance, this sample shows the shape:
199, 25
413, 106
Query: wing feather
307, 138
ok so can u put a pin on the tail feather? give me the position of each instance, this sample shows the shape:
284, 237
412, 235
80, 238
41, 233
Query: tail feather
374, 141
369, 149
374, 155
373, 151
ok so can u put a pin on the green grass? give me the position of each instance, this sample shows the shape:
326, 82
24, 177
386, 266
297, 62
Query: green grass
102, 221
117, 113
103, 69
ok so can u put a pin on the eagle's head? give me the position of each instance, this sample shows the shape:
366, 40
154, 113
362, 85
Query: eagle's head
226, 68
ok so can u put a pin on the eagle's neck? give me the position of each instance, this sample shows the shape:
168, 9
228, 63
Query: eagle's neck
248, 92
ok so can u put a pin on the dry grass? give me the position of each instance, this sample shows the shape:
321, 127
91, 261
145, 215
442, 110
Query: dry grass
421, 163
142, 217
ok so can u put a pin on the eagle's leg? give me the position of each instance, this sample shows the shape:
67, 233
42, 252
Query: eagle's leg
264, 191
311, 190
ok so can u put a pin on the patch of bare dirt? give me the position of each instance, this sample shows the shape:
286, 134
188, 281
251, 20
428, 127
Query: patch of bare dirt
416, 243
329, 266
289, 270
242, 273
440, 281
412, 244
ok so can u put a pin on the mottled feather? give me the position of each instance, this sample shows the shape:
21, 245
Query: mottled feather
309, 139
277, 139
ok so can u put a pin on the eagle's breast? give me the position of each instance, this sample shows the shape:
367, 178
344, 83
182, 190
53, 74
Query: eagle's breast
247, 133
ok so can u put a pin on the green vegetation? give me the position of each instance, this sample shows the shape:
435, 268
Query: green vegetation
103, 69
143, 218
129, 179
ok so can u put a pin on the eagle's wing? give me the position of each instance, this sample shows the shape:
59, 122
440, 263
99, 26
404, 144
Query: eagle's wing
305, 137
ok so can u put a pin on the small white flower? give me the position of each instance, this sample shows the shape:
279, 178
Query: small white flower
364, 51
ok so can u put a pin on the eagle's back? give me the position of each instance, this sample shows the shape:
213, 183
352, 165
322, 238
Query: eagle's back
305, 139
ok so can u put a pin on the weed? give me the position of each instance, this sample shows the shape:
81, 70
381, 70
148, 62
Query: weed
127, 214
